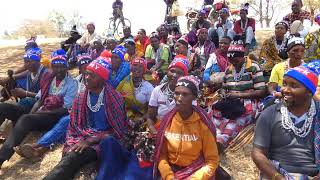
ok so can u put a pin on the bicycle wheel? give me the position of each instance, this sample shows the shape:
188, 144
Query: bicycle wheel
120, 26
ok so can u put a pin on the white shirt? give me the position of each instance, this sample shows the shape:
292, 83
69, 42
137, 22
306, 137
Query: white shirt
143, 93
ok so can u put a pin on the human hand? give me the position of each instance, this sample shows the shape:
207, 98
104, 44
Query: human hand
80, 146
19, 92
233, 95
277, 94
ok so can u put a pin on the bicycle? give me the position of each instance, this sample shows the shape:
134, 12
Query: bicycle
116, 24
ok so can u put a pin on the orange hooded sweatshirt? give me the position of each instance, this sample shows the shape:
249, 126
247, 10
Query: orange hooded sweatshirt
185, 141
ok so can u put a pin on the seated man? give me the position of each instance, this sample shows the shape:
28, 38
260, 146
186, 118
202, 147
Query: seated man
274, 49
27, 90
313, 43
57, 91
87, 39
96, 114
202, 51
220, 27
126, 34
96, 48
157, 55
186, 144
286, 140
57, 134
110, 43
201, 22
244, 29
300, 15
244, 85
218, 61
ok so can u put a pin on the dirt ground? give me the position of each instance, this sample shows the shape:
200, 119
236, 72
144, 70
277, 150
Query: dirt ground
238, 164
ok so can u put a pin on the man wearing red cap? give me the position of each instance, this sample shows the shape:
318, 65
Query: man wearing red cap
97, 113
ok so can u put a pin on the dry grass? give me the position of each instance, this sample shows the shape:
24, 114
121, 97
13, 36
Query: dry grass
238, 164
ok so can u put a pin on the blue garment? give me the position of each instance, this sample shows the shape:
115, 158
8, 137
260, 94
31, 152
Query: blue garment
97, 120
123, 71
117, 163
57, 134
207, 73
68, 91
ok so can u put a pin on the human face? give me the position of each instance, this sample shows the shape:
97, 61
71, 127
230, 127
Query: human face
280, 31
224, 44
203, 35
140, 35
223, 15
137, 71
126, 32
116, 62
296, 53
97, 45
111, 44
237, 62
31, 65
92, 80
155, 42
179, 48
90, 28
201, 16
243, 14
296, 6
183, 97
294, 93
131, 49
59, 71
174, 74
163, 32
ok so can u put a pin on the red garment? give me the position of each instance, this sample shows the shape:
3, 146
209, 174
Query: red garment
145, 41
237, 26
290, 18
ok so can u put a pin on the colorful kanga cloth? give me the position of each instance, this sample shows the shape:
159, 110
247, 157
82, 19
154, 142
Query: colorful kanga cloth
79, 126
135, 109
269, 54
312, 45
188, 171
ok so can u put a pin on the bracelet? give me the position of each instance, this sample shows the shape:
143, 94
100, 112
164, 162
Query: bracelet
275, 175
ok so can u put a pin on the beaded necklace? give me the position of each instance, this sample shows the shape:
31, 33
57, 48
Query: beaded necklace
99, 103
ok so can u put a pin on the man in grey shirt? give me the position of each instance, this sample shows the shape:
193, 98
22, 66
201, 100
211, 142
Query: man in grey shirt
286, 133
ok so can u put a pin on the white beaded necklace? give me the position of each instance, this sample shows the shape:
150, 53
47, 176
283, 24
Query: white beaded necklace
99, 103
289, 125
238, 76
54, 89
169, 93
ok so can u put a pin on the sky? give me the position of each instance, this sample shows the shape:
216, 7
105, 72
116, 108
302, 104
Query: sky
147, 14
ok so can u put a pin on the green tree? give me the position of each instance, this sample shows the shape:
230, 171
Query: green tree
58, 20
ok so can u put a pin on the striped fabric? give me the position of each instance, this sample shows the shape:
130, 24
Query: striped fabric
252, 78
79, 127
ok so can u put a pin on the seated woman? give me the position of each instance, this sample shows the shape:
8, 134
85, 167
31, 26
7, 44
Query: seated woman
135, 90
186, 143
273, 50
218, 61
244, 85
96, 114
286, 141
162, 101
57, 134
295, 51
57, 91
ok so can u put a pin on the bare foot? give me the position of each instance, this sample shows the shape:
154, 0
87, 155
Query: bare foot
32, 151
